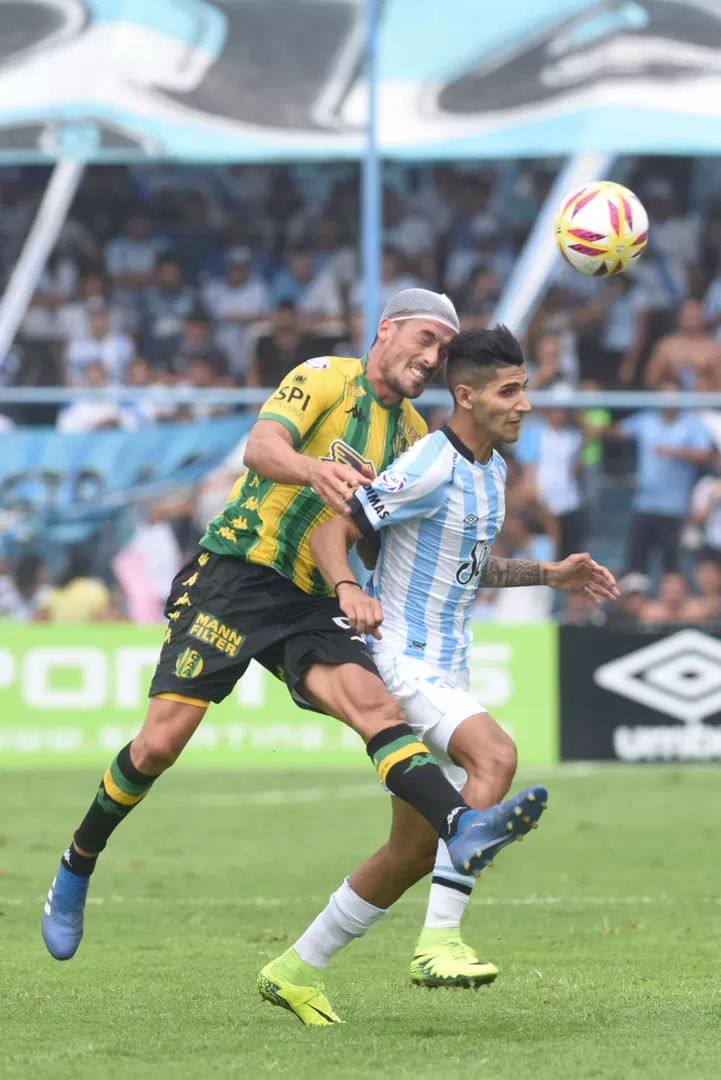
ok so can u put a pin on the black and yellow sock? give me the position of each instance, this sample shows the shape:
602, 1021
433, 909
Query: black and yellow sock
408, 769
121, 788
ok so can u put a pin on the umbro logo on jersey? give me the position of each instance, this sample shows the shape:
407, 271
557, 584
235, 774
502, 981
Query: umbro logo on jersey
469, 520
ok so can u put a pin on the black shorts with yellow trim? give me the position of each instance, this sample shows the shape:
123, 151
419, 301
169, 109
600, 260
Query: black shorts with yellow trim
224, 612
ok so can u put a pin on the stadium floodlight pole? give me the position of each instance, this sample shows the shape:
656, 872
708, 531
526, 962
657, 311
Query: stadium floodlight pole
371, 181
45, 229
539, 254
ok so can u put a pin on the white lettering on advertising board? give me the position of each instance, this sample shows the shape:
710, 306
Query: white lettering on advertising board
84, 678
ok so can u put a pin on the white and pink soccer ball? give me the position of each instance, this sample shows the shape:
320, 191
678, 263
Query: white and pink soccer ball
601, 229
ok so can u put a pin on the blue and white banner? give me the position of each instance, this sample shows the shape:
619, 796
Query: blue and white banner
257, 80
67, 486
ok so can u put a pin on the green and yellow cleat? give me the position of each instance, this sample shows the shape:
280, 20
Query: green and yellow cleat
309, 1003
451, 963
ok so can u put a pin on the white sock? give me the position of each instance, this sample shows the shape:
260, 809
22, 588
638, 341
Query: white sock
346, 916
450, 893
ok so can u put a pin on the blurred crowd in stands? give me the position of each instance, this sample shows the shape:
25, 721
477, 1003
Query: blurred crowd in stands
217, 277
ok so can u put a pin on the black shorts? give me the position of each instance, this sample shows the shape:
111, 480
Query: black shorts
224, 612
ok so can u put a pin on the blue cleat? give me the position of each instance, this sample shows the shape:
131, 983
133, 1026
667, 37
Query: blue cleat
481, 834
62, 924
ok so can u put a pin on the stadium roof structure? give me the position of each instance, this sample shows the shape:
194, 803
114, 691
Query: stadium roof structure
263, 80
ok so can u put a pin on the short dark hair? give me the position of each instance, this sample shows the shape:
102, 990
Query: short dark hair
475, 355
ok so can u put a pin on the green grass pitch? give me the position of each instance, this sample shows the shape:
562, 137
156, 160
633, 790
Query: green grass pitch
606, 924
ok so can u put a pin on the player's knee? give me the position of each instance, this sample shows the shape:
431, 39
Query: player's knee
494, 762
160, 741
353, 694
369, 708
380, 712
154, 752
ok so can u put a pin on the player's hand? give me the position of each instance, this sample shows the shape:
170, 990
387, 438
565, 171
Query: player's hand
335, 483
580, 573
362, 612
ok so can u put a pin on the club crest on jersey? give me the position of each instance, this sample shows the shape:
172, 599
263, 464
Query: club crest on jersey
319, 363
391, 481
399, 445
343, 454
404, 437
189, 664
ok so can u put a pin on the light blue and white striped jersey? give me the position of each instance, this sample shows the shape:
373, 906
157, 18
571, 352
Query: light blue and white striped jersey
438, 512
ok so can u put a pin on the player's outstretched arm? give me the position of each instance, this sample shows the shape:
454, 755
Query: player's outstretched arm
512, 573
270, 454
577, 573
329, 545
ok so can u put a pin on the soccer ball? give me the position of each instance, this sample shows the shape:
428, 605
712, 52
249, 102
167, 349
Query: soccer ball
601, 229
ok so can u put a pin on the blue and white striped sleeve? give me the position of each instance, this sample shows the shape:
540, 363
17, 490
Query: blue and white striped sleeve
414, 485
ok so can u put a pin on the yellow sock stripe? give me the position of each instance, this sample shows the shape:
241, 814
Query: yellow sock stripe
185, 700
405, 752
119, 796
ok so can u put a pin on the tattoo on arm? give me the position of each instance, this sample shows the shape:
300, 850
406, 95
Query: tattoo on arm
509, 573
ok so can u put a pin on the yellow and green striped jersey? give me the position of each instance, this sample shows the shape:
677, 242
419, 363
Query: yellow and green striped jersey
332, 412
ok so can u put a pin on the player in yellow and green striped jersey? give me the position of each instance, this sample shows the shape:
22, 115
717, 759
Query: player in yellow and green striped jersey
332, 412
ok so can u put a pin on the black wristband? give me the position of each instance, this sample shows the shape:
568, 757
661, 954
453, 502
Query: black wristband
346, 581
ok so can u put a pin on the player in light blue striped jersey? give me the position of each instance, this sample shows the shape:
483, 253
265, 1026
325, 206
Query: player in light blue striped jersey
439, 511
431, 518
